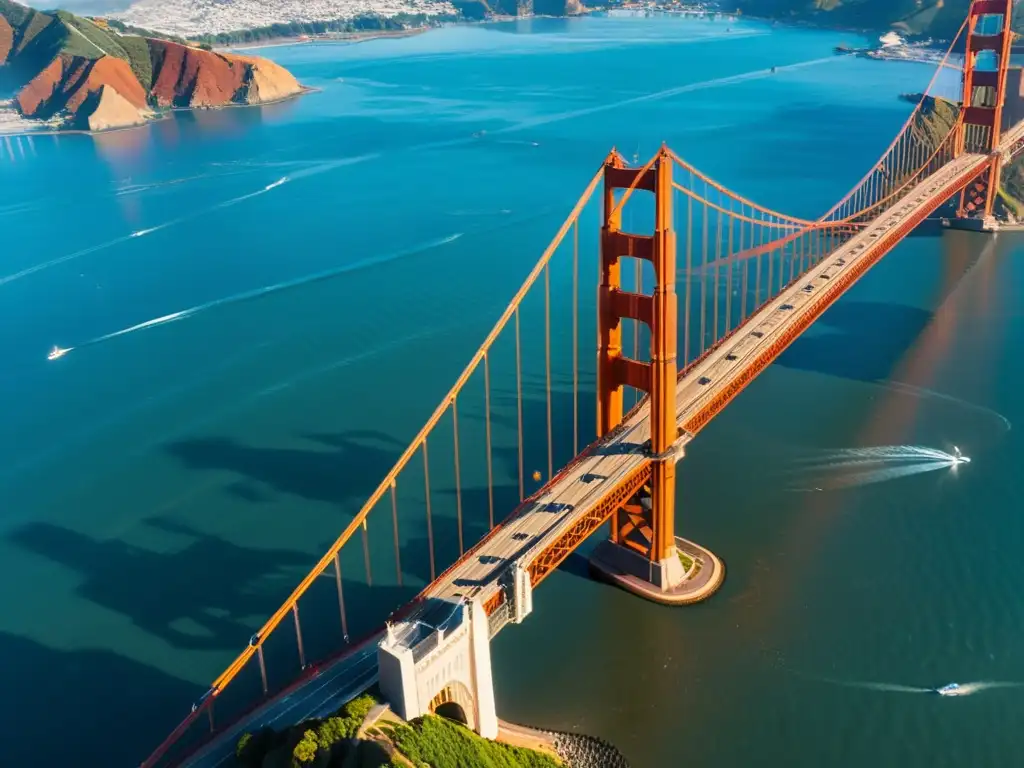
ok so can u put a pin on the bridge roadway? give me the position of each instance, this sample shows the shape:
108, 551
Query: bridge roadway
582, 484
704, 389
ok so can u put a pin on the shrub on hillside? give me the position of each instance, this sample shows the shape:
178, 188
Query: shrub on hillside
441, 743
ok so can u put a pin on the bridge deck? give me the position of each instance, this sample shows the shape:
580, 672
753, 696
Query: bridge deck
571, 495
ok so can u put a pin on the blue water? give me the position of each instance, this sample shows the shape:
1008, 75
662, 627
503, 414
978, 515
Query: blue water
307, 279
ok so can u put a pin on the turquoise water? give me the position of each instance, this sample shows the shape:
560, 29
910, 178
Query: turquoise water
164, 488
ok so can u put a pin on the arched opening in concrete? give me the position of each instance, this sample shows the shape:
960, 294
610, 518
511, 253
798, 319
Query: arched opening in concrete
452, 711
455, 702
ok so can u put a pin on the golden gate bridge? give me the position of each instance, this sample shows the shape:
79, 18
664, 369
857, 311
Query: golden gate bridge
752, 280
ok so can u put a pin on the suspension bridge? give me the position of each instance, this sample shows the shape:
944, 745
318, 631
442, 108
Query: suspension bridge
752, 280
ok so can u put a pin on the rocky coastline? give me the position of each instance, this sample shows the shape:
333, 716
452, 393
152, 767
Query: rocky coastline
574, 750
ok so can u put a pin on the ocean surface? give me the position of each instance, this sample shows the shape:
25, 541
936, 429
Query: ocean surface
264, 305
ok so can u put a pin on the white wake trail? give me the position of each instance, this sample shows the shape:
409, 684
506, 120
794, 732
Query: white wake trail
963, 689
931, 393
756, 74
150, 230
264, 291
851, 467
64, 259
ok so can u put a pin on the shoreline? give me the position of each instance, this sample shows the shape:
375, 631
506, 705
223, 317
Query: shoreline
28, 127
327, 37
167, 113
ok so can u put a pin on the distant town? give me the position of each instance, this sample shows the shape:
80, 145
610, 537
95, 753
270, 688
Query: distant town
206, 20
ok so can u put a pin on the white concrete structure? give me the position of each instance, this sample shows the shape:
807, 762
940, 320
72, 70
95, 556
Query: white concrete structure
442, 658
522, 593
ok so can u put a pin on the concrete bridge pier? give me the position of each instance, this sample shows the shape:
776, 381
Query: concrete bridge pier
684, 573
441, 663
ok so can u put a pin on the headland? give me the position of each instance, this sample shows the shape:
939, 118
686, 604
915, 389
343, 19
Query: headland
67, 72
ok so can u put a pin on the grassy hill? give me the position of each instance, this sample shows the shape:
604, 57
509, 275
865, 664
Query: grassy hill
933, 124
932, 18
40, 37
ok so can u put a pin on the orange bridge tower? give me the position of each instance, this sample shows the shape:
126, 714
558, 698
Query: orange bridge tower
643, 554
983, 94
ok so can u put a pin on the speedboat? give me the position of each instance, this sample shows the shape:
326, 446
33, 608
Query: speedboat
959, 458
56, 353
950, 689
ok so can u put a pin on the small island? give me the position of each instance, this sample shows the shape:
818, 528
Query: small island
67, 72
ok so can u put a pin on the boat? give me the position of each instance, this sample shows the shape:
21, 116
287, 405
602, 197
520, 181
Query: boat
56, 353
891, 40
959, 458
950, 689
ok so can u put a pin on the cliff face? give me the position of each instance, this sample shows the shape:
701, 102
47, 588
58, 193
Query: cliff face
111, 110
6, 39
267, 81
189, 77
66, 84
69, 67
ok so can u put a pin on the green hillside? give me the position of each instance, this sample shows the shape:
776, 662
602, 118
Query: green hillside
932, 18
39, 37
933, 125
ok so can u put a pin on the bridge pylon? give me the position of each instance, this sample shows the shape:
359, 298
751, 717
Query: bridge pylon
642, 553
983, 94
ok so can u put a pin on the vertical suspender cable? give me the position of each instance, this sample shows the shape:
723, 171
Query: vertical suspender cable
728, 274
519, 404
575, 337
430, 522
487, 440
704, 272
547, 361
458, 472
366, 554
689, 273
637, 280
744, 280
718, 257
394, 521
341, 596
298, 636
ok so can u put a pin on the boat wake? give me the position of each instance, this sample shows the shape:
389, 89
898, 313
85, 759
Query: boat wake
141, 233
909, 389
174, 317
69, 257
472, 212
743, 77
949, 690
128, 189
851, 467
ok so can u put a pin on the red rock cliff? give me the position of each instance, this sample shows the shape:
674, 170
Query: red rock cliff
68, 81
184, 76
6, 39
106, 92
